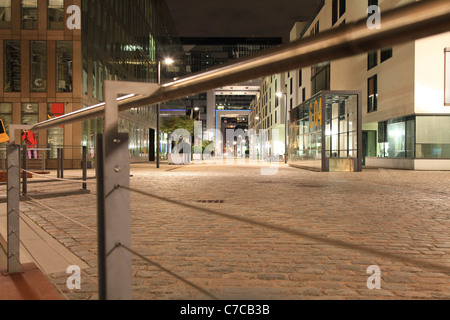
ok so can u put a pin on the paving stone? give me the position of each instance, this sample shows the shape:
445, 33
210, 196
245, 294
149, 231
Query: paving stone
345, 223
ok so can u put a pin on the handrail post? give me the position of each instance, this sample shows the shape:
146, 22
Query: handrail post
24, 174
13, 223
84, 166
113, 171
58, 163
62, 163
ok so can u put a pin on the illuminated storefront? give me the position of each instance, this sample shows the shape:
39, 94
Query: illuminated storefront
325, 132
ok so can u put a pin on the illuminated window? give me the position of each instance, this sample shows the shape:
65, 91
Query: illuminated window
447, 76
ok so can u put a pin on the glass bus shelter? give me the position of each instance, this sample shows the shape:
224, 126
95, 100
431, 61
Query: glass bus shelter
325, 132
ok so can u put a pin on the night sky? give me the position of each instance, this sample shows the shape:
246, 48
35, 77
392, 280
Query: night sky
239, 18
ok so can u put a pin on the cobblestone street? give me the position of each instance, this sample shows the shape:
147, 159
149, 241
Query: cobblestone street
342, 224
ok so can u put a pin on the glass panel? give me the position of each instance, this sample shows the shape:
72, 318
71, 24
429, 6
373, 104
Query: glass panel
30, 114
55, 14
5, 14
12, 67
94, 79
396, 140
433, 137
447, 76
64, 64
38, 66
410, 138
55, 136
29, 14
343, 142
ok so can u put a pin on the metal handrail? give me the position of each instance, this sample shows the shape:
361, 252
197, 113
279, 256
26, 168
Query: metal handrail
400, 25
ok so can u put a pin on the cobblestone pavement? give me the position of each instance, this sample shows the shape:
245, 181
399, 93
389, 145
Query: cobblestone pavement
346, 222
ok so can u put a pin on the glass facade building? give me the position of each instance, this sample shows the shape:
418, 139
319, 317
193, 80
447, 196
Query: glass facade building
48, 69
325, 132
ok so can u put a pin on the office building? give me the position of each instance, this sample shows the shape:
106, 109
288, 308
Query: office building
405, 95
52, 64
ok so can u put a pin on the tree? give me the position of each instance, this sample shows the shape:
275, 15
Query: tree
170, 125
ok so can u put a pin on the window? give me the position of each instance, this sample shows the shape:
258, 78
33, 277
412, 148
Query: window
5, 14
30, 113
300, 77
291, 86
38, 66
334, 10
55, 14
303, 94
55, 136
372, 94
372, 60
338, 8
386, 54
447, 76
342, 7
29, 14
320, 79
64, 64
12, 74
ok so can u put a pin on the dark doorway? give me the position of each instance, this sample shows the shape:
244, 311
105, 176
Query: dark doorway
369, 140
151, 147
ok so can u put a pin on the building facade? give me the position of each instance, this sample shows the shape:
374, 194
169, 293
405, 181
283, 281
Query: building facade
228, 107
50, 66
405, 90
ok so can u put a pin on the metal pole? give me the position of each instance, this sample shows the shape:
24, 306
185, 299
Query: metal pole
58, 163
62, 163
101, 220
286, 131
84, 167
158, 119
24, 174
13, 191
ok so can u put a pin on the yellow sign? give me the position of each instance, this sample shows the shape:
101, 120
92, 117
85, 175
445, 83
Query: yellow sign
315, 114
3, 136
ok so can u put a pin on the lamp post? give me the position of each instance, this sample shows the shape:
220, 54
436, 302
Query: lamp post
280, 95
167, 61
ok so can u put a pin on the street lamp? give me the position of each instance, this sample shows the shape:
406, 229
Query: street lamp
279, 95
166, 61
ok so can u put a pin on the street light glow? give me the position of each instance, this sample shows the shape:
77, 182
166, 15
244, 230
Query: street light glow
169, 61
